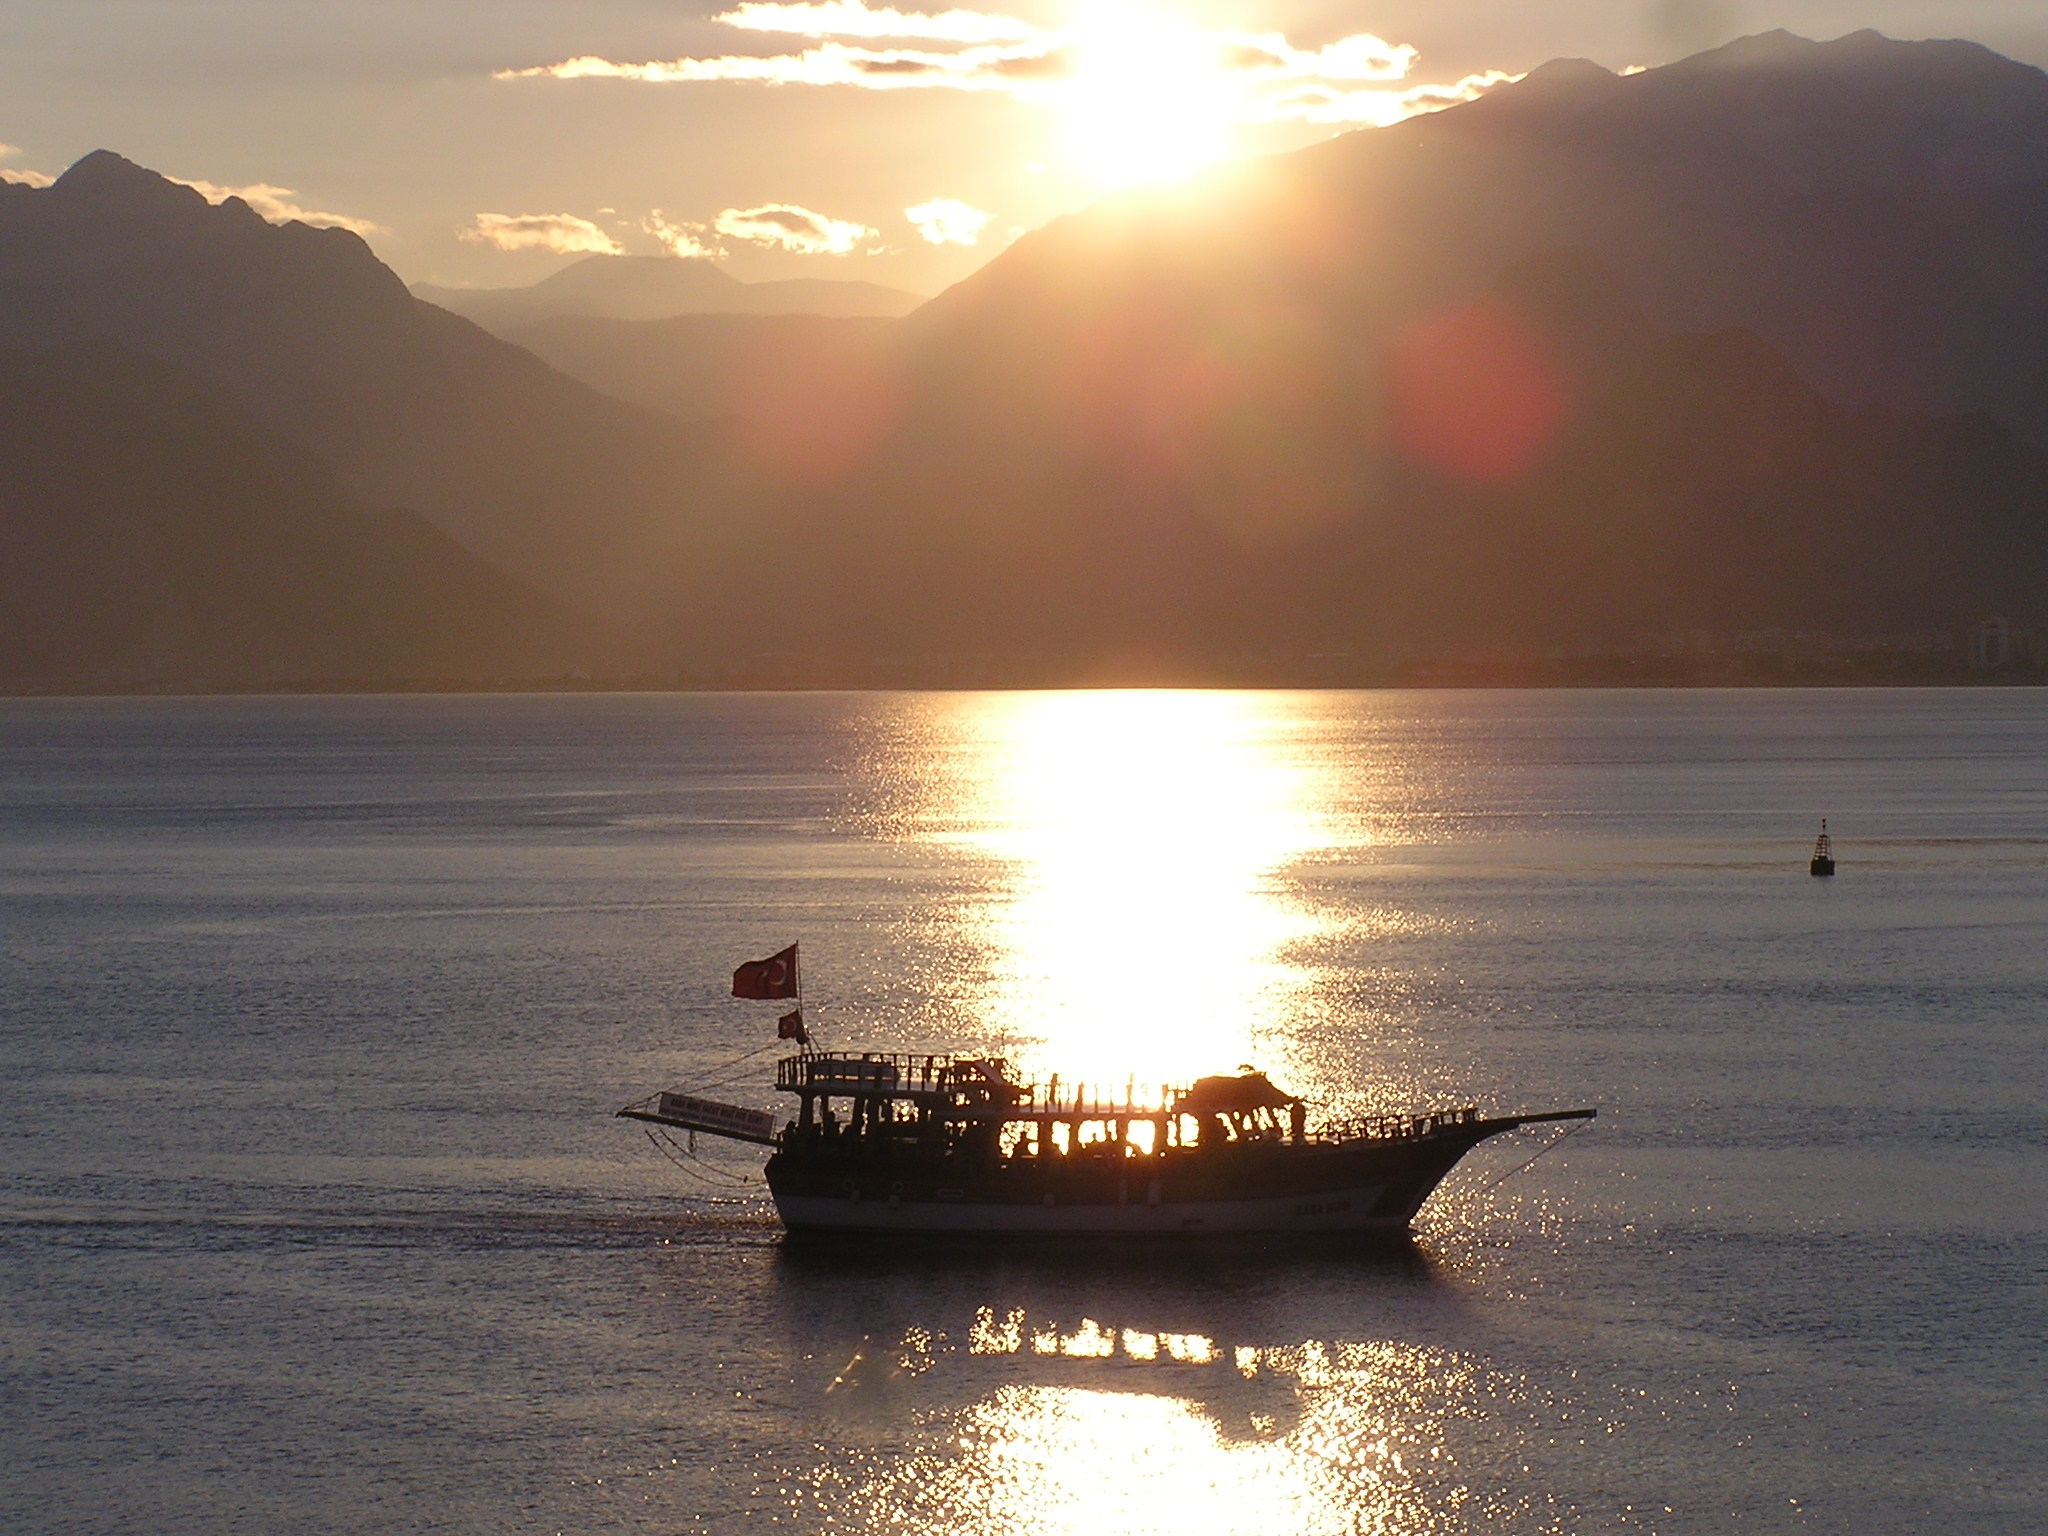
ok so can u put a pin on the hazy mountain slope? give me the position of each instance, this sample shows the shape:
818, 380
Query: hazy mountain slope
411, 405
842, 297
1289, 406
763, 368
658, 287
1877, 209
1509, 378
1545, 468
153, 534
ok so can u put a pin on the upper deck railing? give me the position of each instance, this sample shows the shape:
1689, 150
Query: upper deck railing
1393, 1127
967, 1080
978, 1087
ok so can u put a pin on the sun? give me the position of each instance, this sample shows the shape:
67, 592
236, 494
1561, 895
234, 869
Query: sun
1149, 99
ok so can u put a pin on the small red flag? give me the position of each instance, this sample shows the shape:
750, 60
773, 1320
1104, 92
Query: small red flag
773, 977
791, 1027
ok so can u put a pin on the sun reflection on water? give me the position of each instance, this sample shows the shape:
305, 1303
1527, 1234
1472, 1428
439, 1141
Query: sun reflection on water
1144, 931
1099, 1427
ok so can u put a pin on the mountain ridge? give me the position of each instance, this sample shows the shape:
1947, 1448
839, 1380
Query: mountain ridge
1727, 345
154, 535
660, 288
410, 405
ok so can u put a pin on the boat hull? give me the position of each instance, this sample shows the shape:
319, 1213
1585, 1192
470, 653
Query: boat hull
1367, 1189
1342, 1211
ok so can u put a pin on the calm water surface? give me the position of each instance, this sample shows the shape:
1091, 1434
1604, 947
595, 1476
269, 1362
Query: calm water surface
313, 1217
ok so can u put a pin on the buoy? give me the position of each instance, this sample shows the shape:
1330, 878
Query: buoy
1823, 853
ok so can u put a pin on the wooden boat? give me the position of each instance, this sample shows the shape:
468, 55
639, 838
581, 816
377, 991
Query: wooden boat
938, 1145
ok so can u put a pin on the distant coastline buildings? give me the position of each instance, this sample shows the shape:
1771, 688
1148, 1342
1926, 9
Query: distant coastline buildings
1991, 643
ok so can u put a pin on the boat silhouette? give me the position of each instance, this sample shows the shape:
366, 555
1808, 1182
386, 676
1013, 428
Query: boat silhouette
955, 1146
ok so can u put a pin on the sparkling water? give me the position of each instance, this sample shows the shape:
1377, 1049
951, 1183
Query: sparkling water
314, 1216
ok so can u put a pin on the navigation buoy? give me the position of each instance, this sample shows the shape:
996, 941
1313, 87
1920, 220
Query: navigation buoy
1823, 852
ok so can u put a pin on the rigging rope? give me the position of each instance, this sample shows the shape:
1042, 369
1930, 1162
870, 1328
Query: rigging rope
726, 1067
1556, 1141
690, 1163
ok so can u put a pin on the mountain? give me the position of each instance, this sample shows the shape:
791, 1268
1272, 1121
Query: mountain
1755, 341
593, 500
763, 369
1292, 407
657, 287
1876, 209
153, 534
1540, 468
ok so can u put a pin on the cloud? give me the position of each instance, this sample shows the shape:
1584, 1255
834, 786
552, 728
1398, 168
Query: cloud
947, 221
852, 18
792, 228
1319, 103
1249, 77
276, 204
563, 233
28, 178
876, 69
686, 240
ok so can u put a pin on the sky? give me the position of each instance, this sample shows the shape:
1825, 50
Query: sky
487, 143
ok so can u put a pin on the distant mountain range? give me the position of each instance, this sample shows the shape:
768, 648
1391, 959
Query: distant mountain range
154, 535
409, 405
1540, 469
658, 287
755, 369
1755, 340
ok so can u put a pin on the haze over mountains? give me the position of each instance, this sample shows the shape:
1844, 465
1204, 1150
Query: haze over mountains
152, 533
657, 287
410, 406
1757, 339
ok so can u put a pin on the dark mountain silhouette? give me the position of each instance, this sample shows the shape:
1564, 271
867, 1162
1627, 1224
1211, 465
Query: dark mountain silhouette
153, 534
1292, 406
658, 287
1538, 469
410, 405
1876, 209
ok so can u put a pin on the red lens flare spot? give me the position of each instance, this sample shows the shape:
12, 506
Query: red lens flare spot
1477, 393
813, 407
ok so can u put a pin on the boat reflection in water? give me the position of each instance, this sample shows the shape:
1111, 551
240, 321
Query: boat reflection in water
1025, 1421
1224, 1383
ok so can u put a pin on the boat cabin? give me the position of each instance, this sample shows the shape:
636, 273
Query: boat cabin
951, 1104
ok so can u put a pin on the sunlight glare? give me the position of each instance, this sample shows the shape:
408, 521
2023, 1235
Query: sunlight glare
1143, 936
1149, 100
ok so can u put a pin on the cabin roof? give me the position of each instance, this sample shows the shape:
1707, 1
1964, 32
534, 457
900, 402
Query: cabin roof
1234, 1095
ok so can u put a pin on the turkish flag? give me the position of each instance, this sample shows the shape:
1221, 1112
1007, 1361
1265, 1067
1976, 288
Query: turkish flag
773, 977
791, 1027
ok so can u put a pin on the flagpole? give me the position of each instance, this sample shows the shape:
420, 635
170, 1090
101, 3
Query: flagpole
803, 1025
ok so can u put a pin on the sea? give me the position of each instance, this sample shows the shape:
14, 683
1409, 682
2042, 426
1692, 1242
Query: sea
316, 1217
